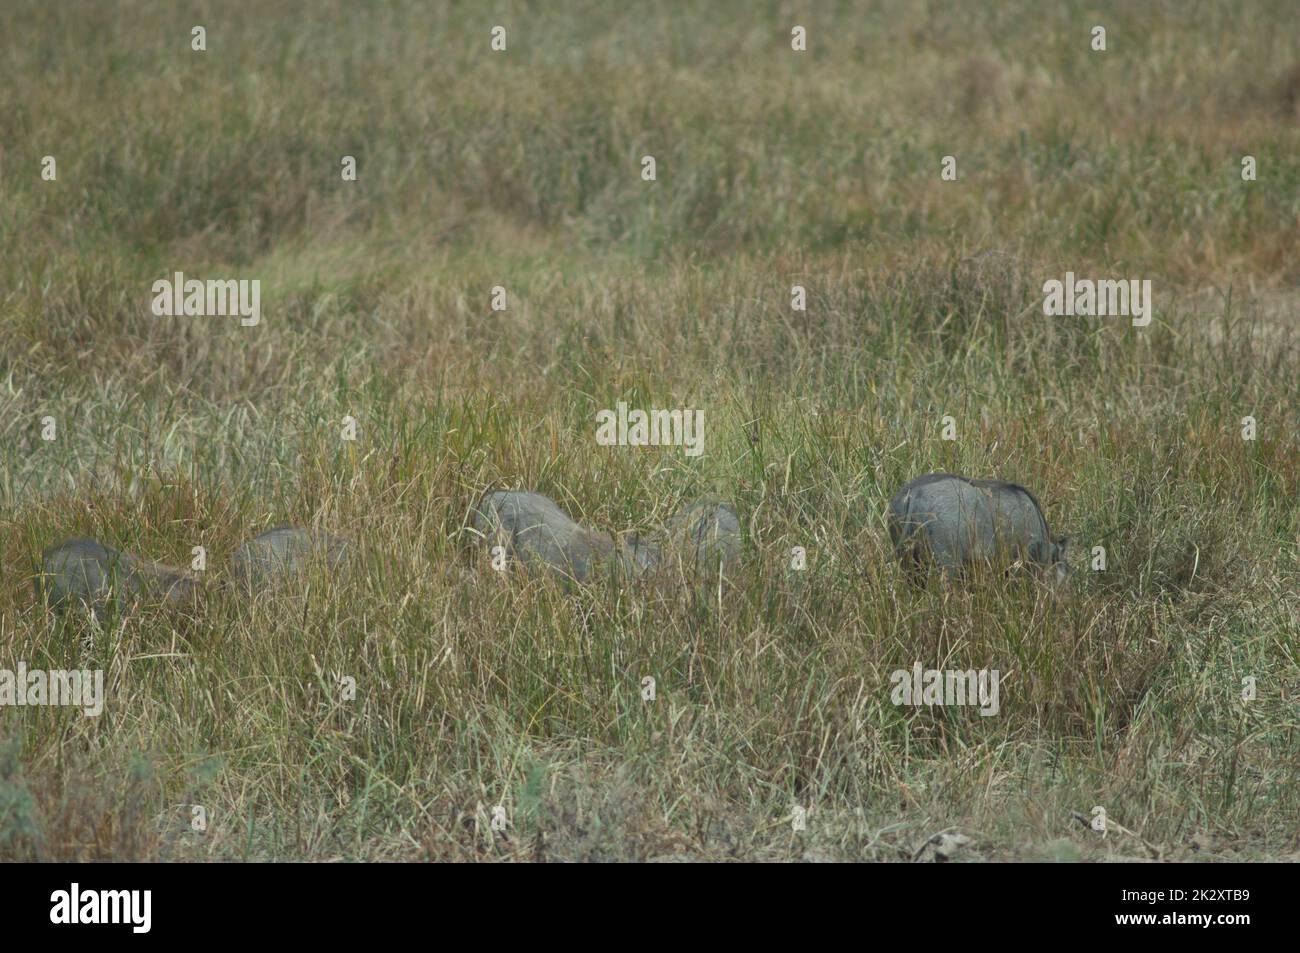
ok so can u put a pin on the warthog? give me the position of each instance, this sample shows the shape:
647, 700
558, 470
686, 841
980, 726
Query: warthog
705, 534
537, 532
954, 522
276, 554
85, 572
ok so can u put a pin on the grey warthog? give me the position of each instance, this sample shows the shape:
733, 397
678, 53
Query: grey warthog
85, 572
701, 536
705, 534
954, 523
534, 530
279, 553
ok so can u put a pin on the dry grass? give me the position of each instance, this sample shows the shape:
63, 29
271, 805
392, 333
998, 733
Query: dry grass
522, 170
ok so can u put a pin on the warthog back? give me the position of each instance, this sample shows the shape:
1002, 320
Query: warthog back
538, 532
954, 522
85, 572
705, 534
276, 554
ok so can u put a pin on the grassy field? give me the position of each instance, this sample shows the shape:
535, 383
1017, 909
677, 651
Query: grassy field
522, 169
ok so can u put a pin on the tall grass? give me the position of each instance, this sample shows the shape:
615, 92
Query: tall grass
523, 170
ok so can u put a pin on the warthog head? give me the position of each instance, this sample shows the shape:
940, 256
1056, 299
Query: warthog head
1051, 558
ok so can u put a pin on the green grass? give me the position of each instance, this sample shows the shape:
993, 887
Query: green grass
774, 168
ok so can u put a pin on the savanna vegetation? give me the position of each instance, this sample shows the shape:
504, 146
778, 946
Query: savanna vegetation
774, 168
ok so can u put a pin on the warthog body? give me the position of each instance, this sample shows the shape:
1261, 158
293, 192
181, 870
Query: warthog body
82, 571
954, 523
278, 553
537, 532
705, 534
